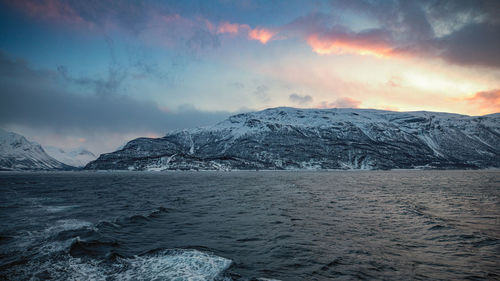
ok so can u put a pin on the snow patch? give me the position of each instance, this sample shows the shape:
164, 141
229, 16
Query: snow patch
17, 153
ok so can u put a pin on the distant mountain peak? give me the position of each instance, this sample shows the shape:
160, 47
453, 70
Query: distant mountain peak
77, 157
17, 153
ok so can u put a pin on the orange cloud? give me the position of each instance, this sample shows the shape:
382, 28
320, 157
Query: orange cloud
345, 45
488, 101
261, 34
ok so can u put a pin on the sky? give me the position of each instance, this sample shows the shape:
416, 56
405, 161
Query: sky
98, 73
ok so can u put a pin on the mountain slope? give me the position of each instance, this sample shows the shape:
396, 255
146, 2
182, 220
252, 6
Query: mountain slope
17, 153
289, 138
77, 157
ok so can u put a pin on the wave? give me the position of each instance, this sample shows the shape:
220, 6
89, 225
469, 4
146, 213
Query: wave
37, 244
73, 249
171, 264
134, 219
32, 238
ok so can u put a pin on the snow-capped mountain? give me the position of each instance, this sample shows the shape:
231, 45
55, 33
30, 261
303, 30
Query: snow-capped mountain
289, 138
17, 153
78, 157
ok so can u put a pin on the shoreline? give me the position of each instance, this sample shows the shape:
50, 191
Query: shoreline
248, 170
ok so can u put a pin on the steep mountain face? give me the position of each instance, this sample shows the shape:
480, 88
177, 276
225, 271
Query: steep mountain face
17, 153
76, 157
289, 138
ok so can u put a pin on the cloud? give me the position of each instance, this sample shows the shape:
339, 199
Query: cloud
53, 10
157, 23
370, 42
173, 31
261, 34
201, 39
345, 102
47, 104
326, 35
132, 16
459, 32
138, 67
150, 22
488, 101
300, 99
101, 86
262, 92
236, 85
395, 82
474, 44
232, 28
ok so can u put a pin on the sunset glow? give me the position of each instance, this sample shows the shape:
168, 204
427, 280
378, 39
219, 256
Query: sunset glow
180, 64
249, 139
339, 47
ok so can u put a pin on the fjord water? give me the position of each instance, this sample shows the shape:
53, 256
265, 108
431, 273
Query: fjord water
388, 225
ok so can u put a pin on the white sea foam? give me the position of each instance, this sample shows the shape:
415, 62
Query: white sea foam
188, 265
56, 209
64, 225
31, 238
56, 246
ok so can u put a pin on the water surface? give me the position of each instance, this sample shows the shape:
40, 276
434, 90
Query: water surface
388, 225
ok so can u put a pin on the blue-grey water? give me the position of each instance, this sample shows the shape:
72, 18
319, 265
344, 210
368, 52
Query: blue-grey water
387, 225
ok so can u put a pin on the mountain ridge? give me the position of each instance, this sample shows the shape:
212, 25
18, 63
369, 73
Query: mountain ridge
291, 138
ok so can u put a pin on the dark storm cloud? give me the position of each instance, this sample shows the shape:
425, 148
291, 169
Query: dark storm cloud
35, 98
460, 32
475, 44
453, 11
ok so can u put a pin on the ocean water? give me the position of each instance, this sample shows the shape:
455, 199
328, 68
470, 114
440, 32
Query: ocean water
373, 225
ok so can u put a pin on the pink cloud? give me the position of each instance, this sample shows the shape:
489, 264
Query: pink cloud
488, 101
347, 44
261, 34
